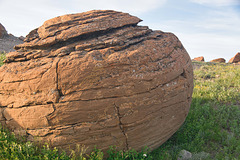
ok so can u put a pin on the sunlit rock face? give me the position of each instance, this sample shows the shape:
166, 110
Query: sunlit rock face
97, 78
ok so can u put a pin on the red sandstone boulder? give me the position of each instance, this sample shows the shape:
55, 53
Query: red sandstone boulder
218, 60
235, 59
2, 31
200, 59
97, 78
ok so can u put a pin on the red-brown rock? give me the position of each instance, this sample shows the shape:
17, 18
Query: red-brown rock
200, 59
218, 60
2, 31
97, 78
235, 59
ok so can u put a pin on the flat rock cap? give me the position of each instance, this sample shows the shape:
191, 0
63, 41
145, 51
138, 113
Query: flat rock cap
70, 26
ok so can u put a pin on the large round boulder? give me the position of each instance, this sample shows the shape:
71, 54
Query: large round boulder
97, 78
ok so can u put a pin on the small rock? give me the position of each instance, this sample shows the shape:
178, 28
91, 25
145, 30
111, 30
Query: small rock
235, 59
21, 38
20, 132
218, 60
184, 155
199, 59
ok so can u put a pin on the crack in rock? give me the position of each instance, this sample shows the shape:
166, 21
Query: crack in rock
60, 94
121, 126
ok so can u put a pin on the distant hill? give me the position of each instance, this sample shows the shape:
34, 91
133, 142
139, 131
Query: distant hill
8, 41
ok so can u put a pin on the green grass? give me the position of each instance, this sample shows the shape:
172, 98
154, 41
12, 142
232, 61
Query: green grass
12, 148
2, 58
211, 130
213, 123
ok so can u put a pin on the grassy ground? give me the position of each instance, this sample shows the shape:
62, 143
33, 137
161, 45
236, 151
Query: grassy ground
211, 130
213, 123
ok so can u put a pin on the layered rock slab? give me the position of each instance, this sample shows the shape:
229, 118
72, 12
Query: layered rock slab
97, 78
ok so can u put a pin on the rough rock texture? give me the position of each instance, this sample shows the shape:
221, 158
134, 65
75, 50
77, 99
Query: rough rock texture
96, 78
7, 41
218, 60
235, 59
200, 59
3, 31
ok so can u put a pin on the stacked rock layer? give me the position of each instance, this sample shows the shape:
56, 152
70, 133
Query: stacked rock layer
96, 78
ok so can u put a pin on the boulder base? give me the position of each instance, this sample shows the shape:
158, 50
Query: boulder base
97, 78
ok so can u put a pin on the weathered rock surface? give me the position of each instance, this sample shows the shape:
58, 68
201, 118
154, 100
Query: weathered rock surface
235, 59
7, 41
97, 78
218, 60
200, 59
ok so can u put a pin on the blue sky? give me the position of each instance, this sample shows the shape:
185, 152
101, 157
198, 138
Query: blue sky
209, 28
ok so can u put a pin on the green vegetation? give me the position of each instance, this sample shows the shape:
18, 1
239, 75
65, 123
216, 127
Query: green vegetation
12, 148
213, 123
211, 130
2, 57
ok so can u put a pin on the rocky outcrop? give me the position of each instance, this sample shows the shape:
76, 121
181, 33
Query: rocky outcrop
3, 31
97, 78
199, 59
7, 41
218, 60
235, 59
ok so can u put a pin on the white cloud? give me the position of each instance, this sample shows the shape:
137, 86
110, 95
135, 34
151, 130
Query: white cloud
223, 21
217, 2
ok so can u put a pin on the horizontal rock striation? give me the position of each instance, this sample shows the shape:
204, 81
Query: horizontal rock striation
96, 78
